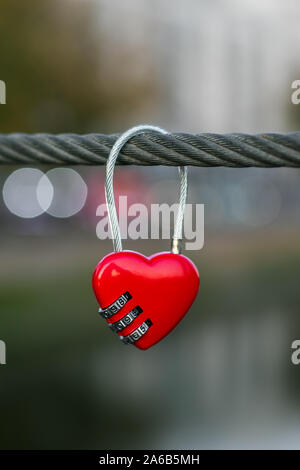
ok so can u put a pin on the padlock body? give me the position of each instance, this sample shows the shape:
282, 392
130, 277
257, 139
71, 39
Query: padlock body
152, 294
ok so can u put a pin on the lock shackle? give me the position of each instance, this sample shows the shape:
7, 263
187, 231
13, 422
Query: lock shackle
109, 189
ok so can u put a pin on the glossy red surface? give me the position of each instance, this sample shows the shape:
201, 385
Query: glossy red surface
164, 286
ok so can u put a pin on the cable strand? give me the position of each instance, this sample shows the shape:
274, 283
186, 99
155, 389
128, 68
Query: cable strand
178, 149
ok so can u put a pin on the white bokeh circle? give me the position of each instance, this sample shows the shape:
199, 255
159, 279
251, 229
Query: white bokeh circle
20, 192
69, 192
255, 203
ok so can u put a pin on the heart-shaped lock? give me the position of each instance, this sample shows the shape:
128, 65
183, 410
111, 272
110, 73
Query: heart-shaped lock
141, 298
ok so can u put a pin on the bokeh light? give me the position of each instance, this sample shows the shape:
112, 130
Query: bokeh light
70, 192
255, 202
20, 192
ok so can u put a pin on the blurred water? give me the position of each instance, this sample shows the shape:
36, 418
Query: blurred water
222, 379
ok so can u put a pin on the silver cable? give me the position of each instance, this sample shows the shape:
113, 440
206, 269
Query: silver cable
109, 188
177, 237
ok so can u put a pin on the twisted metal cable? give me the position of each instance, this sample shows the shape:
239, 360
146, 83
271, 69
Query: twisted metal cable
109, 185
178, 149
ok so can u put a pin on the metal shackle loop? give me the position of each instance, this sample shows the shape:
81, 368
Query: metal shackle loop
109, 189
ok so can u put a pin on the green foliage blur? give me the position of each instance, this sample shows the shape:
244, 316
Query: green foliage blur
61, 73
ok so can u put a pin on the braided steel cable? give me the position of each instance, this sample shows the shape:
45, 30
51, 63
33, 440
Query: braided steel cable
177, 149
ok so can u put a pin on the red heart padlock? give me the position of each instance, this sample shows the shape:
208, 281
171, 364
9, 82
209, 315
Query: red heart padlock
143, 298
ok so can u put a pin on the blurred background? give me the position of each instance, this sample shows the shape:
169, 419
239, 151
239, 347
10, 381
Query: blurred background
223, 378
